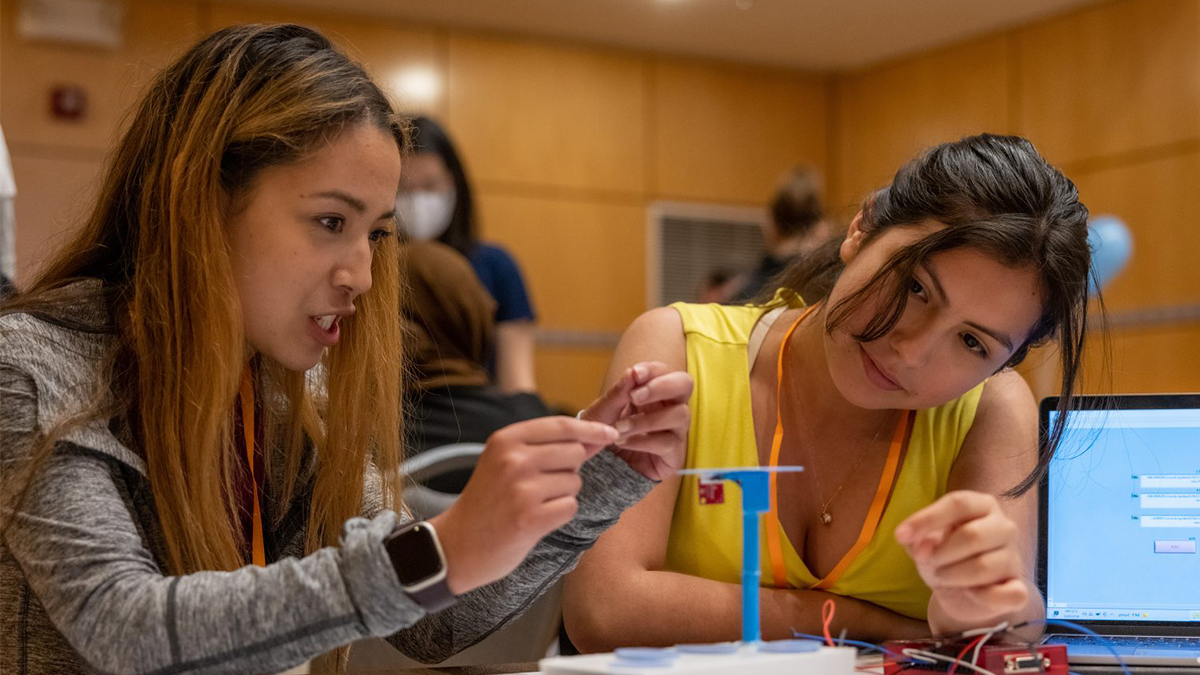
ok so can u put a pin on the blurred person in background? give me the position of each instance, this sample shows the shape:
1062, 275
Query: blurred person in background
796, 227
436, 203
450, 330
719, 284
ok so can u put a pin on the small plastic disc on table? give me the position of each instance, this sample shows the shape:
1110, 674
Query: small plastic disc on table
709, 648
789, 646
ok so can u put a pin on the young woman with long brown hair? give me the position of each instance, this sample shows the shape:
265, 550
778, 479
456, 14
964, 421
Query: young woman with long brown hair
893, 387
183, 490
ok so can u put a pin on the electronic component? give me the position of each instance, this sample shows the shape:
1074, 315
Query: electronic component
995, 658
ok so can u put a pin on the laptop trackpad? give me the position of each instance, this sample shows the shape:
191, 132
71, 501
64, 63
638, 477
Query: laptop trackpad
1168, 653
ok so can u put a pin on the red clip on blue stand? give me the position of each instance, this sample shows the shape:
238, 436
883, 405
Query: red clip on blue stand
756, 500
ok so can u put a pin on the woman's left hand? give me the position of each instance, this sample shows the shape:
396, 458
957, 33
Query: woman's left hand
649, 407
966, 550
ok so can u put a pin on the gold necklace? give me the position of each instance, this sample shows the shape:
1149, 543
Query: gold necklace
826, 516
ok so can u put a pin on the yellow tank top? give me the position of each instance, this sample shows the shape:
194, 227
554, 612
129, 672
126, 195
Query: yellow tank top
705, 540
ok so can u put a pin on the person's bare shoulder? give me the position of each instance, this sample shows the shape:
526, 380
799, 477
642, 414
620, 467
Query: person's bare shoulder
656, 335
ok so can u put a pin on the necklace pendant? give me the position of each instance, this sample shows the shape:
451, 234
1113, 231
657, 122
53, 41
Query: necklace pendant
826, 518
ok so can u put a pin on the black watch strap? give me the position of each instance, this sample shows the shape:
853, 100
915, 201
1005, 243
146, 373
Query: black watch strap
434, 598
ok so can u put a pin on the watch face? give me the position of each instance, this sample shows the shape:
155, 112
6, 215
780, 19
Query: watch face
414, 555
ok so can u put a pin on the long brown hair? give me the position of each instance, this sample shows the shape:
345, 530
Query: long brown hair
995, 194
243, 99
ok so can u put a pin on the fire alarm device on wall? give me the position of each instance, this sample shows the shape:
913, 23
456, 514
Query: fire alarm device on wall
68, 102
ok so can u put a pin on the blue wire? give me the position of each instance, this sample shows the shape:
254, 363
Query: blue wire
856, 643
1049, 622
1103, 640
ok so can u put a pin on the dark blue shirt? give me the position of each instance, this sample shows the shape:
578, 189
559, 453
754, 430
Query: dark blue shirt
502, 278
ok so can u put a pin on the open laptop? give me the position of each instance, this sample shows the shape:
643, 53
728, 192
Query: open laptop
1120, 524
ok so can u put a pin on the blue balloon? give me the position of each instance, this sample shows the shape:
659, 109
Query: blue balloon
1112, 246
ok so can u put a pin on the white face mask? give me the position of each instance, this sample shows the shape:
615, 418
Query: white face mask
425, 215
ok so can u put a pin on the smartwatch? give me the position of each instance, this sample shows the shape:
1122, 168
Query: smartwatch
420, 564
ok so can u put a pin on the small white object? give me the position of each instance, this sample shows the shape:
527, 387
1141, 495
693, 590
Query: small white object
90, 22
747, 659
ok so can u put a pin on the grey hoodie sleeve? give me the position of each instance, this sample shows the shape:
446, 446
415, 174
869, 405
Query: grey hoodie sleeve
83, 555
609, 487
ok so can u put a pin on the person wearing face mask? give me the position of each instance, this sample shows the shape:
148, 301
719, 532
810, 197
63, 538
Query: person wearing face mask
201, 426
436, 203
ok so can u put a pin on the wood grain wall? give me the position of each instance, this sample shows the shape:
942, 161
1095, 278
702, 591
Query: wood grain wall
568, 144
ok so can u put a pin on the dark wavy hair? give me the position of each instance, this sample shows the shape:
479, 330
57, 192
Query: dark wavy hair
995, 194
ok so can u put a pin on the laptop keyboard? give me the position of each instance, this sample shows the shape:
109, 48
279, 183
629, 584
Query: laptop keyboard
1127, 641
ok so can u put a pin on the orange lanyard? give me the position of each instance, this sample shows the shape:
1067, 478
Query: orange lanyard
258, 550
874, 514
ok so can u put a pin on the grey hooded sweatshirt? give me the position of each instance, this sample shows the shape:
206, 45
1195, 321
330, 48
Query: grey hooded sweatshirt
82, 581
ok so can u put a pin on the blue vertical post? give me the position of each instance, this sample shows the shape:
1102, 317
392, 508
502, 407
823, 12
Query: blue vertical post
751, 574
756, 499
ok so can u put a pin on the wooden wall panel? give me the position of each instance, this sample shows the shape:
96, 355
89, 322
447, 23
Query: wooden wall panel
1112, 79
387, 48
57, 164
886, 115
725, 133
1140, 360
569, 143
154, 33
584, 262
1148, 360
533, 113
571, 378
54, 195
1156, 199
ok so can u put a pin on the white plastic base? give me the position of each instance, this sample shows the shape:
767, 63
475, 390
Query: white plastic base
747, 659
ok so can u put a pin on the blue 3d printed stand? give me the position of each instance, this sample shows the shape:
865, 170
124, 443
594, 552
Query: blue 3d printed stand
780, 657
756, 500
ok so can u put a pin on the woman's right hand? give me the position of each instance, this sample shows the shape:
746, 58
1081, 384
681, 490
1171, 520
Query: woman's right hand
523, 487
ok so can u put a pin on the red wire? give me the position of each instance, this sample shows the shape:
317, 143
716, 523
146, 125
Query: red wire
954, 666
827, 611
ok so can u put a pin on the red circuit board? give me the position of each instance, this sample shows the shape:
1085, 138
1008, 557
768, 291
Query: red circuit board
998, 658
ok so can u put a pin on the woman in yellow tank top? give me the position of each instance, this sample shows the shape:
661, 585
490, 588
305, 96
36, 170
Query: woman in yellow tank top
894, 390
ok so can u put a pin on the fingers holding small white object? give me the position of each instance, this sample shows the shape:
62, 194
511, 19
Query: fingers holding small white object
673, 418
558, 429
674, 386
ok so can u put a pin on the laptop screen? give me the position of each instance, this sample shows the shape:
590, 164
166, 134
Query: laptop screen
1121, 512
